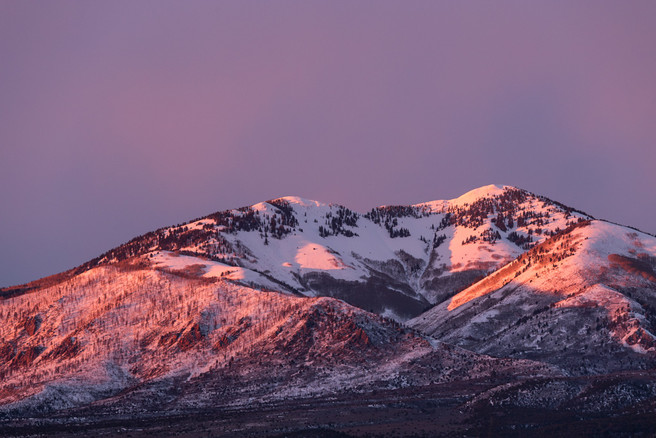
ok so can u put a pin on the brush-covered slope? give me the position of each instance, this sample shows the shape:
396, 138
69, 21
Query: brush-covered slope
394, 260
584, 299
131, 334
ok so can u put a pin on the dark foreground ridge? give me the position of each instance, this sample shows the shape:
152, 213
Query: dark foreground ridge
434, 410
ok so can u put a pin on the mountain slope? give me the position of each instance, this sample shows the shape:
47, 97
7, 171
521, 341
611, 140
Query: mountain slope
394, 260
126, 332
534, 309
584, 299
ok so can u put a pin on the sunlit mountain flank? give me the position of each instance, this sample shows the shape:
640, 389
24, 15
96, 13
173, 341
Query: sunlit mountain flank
498, 311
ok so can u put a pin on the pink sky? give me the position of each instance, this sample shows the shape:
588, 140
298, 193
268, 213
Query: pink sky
117, 118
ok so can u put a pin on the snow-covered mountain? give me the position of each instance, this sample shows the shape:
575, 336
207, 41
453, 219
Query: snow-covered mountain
119, 331
484, 298
584, 299
396, 261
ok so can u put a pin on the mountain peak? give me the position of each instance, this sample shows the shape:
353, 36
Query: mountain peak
303, 202
292, 200
468, 198
480, 192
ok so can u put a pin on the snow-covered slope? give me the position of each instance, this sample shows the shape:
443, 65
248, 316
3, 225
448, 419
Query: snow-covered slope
126, 330
240, 306
394, 260
584, 299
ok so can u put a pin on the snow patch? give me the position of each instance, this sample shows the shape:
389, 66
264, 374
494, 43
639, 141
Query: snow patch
315, 256
481, 192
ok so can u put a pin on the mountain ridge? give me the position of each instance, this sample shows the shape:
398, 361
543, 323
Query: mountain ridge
498, 299
596, 275
228, 237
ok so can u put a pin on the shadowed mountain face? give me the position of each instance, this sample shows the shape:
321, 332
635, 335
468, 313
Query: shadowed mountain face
497, 298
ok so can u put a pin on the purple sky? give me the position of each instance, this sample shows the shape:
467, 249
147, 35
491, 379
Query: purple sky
117, 118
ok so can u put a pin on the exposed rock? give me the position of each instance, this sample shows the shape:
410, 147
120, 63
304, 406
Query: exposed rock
190, 337
232, 333
27, 356
7, 352
168, 339
68, 348
32, 324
